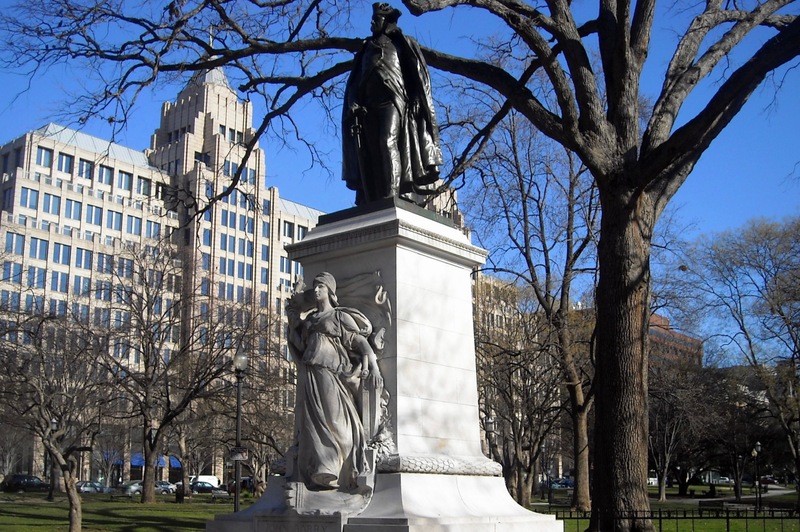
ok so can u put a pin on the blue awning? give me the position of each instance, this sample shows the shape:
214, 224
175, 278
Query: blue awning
175, 463
137, 460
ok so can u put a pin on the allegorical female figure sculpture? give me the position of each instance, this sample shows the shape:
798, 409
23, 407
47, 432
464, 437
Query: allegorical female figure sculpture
335, 364
390, 136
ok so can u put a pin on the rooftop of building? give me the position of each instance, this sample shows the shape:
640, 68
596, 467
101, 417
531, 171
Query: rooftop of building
84, 141
214, 76
302, 211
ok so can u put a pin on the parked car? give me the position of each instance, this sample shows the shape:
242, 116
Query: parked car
134, 487
246, 485
164, 487
88, 486
202, 487
724, 480
20, 483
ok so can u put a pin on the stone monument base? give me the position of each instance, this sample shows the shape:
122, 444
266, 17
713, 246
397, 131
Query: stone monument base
435, 477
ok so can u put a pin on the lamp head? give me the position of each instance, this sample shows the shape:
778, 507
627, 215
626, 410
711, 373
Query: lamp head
240, 361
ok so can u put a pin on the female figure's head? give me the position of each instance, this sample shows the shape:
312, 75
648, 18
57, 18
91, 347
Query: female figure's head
325, 288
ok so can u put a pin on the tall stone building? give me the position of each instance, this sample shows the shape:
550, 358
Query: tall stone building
71, 203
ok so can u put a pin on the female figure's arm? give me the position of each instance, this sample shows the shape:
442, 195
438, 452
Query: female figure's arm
359, 345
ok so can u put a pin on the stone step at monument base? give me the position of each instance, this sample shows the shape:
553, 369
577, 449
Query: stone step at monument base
464, 503
403, 502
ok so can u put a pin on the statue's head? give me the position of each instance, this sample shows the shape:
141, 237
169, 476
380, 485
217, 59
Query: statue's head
382, 15
328, 281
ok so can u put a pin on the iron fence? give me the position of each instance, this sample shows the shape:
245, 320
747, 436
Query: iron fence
700, 520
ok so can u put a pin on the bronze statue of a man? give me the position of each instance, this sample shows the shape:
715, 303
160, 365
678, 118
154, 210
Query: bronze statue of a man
390, 137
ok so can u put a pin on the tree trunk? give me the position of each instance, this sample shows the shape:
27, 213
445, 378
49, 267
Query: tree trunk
74, 498
621, 417
581, 499
151, 447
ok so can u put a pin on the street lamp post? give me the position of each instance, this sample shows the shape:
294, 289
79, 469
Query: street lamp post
756, 451
239, 367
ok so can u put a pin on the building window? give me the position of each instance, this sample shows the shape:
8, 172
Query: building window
114, 220
85, 168
133, 225
153, 230
288, 229
103, 290
143, 186
12, 272
15, 243
65, 163
80, 312
206, 237
94, 214
8, 199
105, 263
61, 253
205, 261
36, 277
265, 252
105, 175
44, 157
125, 267
38, 249
83, 258
51, 204
33, 304
301, 232
124, 180
59, 282
10, 300
72, 209
29, 198
265, 229
81, 285
286, 265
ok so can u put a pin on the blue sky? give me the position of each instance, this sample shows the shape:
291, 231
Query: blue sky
752, 170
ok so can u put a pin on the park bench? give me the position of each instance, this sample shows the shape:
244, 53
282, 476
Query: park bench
221, 495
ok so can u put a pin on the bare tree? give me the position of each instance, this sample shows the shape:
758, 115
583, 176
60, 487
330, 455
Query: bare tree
536, 208
519, 382
161, 341
291, 50
751, 278
107, 451
54, 388
13, 442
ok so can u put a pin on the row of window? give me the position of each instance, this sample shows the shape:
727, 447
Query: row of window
229, 169
246, 223
39, 248
242, 270
51, 204
289, 231
12, 272
233, 136
86, 169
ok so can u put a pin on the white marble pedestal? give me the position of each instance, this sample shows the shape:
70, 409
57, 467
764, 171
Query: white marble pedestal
438, 479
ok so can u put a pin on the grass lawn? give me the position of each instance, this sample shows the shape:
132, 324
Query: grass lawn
33, 513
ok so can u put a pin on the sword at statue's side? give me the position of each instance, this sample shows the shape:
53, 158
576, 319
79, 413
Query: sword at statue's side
357, 131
